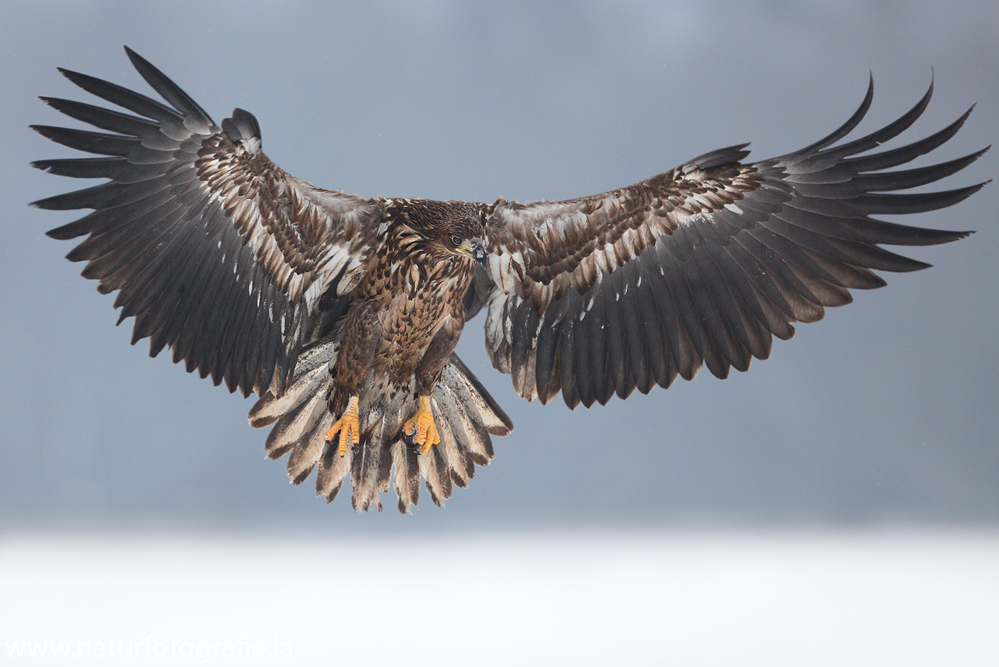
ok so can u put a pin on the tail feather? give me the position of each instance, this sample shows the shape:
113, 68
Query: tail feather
288, 432
475, 398
309, 443
309, 376
465, 413
278, 443
303, 459
406, 478
372, 465
455, 457
437, 475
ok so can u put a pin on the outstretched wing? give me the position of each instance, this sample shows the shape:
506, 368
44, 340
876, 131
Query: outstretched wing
701, 264
217, 252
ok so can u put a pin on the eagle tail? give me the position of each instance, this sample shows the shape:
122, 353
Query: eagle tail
465, 413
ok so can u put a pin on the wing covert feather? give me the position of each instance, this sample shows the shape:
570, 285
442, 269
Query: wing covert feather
702, 264
215, 251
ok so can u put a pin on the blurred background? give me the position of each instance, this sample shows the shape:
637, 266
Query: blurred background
857, 462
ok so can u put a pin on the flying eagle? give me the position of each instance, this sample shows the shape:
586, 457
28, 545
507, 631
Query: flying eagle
342, 313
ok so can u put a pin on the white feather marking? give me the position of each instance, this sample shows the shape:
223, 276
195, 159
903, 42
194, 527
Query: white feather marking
518, 257
611, 253
312, 294
696, 198
565, 222
252, 145
506, 280
691, 219
735, 209
601, 261
497, 273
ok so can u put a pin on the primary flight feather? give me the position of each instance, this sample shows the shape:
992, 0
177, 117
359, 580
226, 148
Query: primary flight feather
342, 313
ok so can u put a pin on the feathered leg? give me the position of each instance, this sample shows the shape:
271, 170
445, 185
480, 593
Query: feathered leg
421, 431
362, 334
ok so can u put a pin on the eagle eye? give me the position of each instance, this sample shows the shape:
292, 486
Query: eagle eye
455, 241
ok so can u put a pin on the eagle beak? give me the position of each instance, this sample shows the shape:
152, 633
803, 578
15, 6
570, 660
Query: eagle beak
479, 252
474, 249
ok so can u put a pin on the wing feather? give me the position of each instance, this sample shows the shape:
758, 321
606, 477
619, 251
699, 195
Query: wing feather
215, 251
703, 264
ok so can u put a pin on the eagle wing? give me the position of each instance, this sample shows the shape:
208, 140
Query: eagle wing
217, 252
701, 264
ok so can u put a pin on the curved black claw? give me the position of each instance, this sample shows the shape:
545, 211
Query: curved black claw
409, 439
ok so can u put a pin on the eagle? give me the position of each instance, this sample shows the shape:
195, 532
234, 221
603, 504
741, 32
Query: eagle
341, 313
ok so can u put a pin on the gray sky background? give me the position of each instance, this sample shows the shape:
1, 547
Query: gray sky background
886, 411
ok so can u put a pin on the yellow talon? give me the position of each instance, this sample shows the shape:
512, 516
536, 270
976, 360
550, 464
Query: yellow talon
348, 425
423, 426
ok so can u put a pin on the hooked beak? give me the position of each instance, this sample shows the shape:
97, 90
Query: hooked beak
479, 252
475, 249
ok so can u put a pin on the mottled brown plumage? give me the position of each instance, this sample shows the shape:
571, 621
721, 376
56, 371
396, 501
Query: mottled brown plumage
419, 280
342, 313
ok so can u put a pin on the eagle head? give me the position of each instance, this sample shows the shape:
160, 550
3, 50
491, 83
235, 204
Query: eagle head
454, 227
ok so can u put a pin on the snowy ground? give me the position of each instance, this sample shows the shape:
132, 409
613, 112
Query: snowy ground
685, 598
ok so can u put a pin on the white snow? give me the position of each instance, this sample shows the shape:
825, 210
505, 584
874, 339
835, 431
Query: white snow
535, 598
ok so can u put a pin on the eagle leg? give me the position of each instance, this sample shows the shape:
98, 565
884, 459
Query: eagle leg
420, 430
348, 426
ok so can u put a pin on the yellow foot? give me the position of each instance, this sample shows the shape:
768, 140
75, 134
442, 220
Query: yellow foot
348, 426
421, 429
